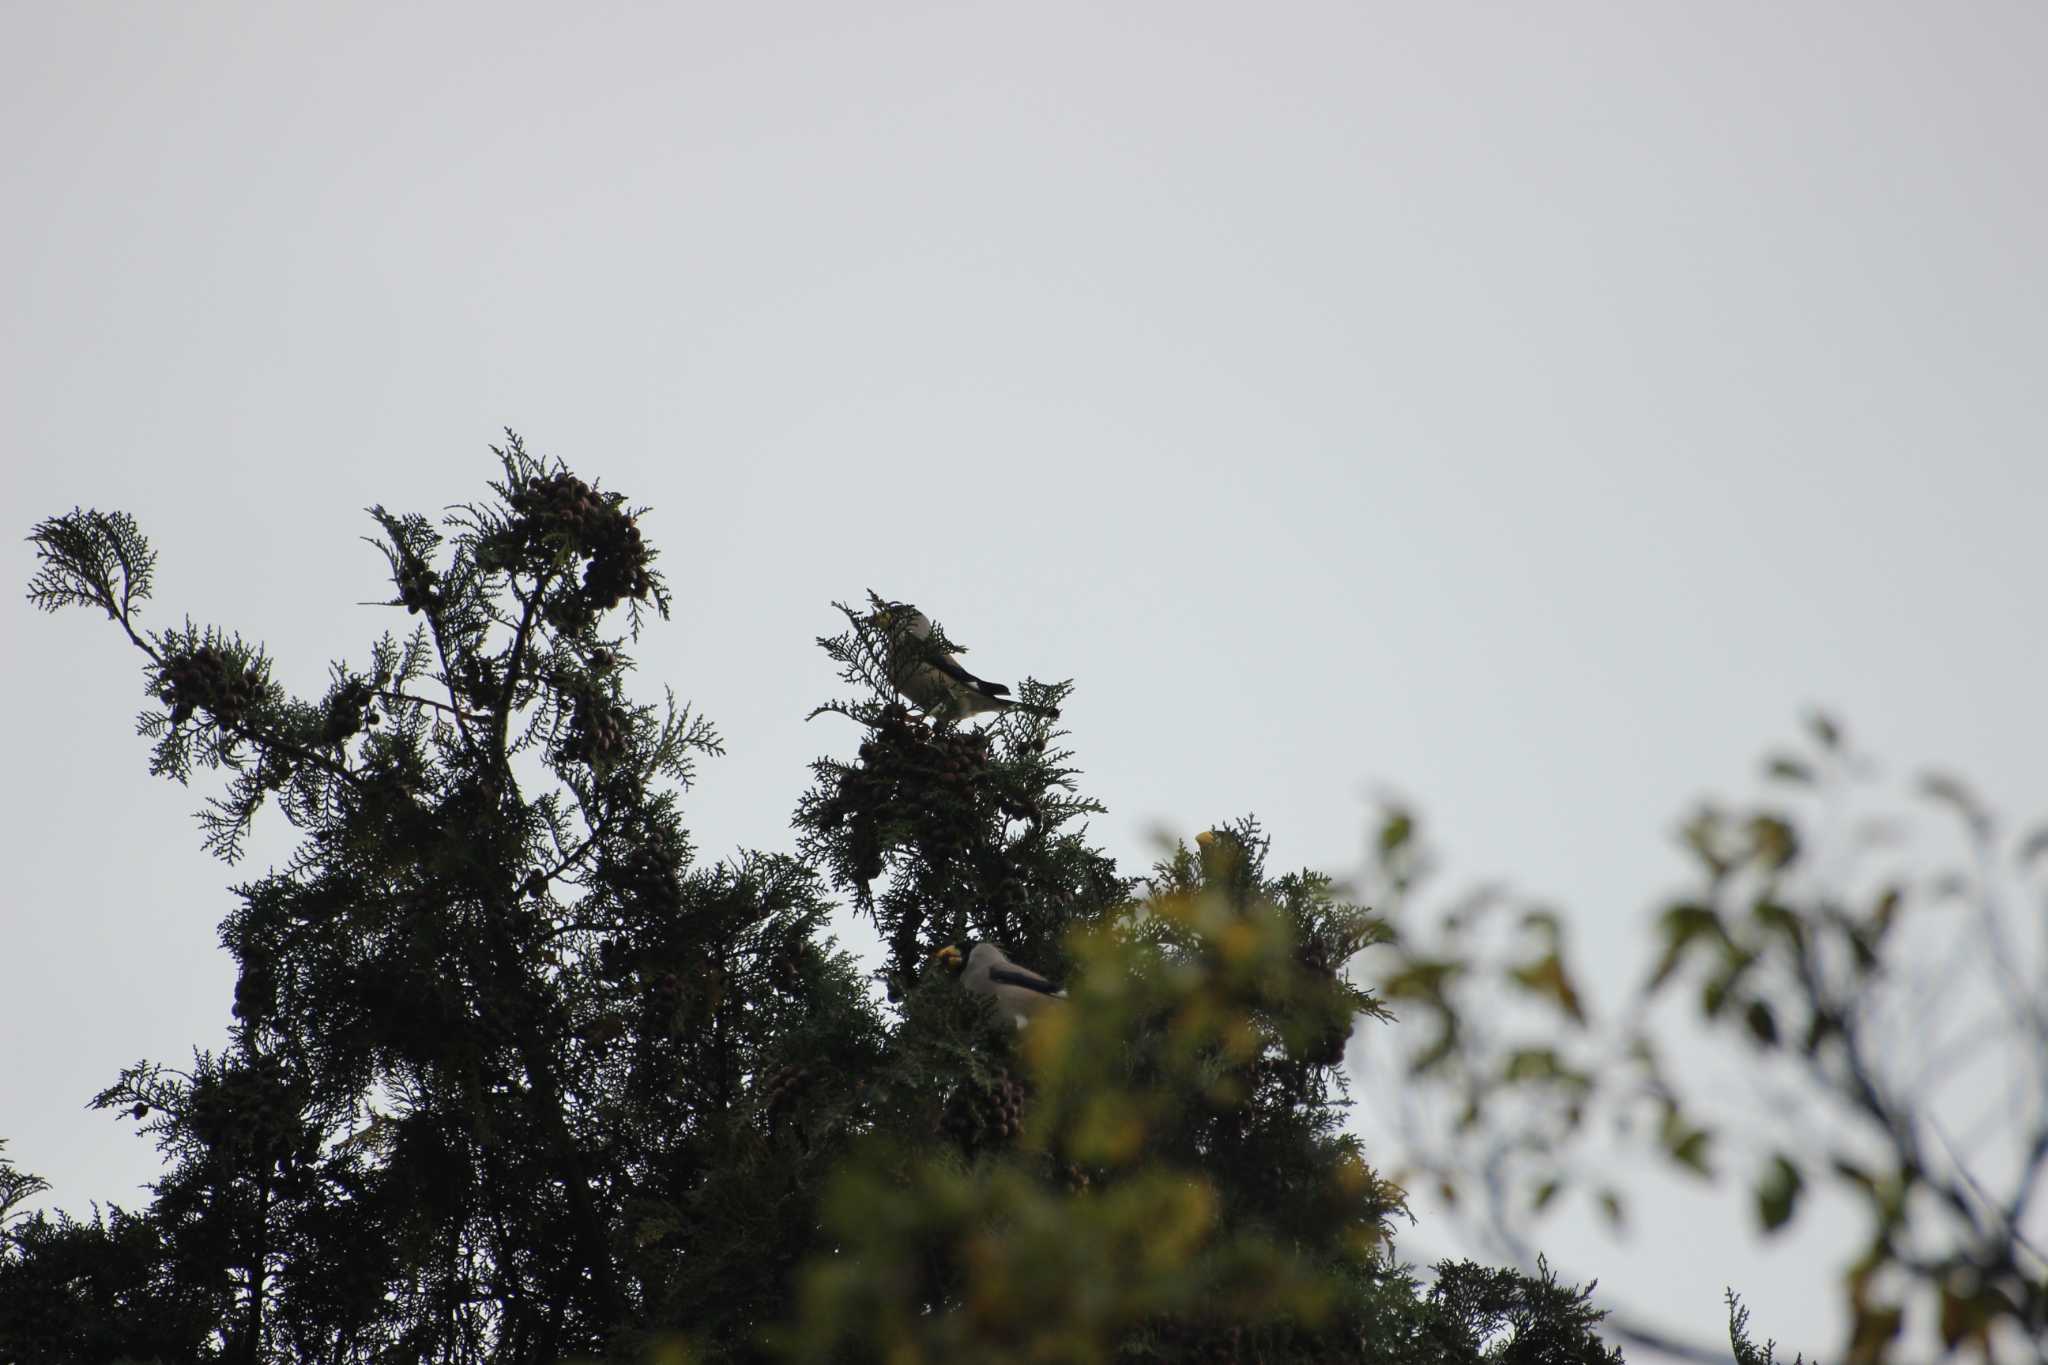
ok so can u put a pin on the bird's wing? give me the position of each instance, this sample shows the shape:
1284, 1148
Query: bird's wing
1018, 976
950, 666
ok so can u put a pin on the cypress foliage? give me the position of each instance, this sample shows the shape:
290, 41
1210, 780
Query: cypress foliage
512, 1078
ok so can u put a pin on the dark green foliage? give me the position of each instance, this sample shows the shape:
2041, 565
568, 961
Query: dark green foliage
1747, 1352
108, 1289
1514, 1319
511, 1078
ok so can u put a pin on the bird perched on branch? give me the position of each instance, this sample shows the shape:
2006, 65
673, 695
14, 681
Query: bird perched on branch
987, 970
929, 674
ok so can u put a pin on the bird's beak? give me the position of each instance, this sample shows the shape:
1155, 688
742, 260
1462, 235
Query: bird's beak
949, 958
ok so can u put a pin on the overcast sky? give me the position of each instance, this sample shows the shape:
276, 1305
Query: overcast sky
1531, 409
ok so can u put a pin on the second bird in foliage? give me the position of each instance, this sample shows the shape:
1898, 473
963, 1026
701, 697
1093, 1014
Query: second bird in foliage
987, 970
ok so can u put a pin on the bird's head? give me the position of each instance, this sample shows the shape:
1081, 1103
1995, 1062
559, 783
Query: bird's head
950, 957
900, 618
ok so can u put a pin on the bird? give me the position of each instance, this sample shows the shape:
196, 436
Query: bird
987, 970
930, 676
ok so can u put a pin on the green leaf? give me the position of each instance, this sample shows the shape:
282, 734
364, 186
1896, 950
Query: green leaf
1679, 925
1773, 841
1533, 1064
1702, 834
1686, 1144
1692, 1153
1439, 1051
1613, 1208
1687, 920
1777, 1193
1786, 768
1547, 977
1713, 995
1763, 1024
1396, 830
1776, 917
1420, 979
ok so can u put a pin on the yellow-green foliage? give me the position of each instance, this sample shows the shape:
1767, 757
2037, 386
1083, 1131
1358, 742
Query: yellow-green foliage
1103, 1228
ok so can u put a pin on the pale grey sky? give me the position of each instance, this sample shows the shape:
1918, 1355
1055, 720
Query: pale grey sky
1531, 408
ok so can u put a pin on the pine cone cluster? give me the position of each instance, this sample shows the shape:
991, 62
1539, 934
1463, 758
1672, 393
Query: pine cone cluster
207, 678
786, 966
681, 1001
907, 769
347, 711
985, 1113
256, 987
478, 681
418, 585
249, 1112
1312, 956
647, 875
618, 564
1327, 1047
1008, 900
599, 733
559, 504
561, 509
780, 1091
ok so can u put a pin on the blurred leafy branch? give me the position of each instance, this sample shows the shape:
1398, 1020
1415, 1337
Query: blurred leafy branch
1826, 1009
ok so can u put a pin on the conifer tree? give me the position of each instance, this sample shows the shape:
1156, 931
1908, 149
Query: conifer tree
513, 1079
494, 1035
